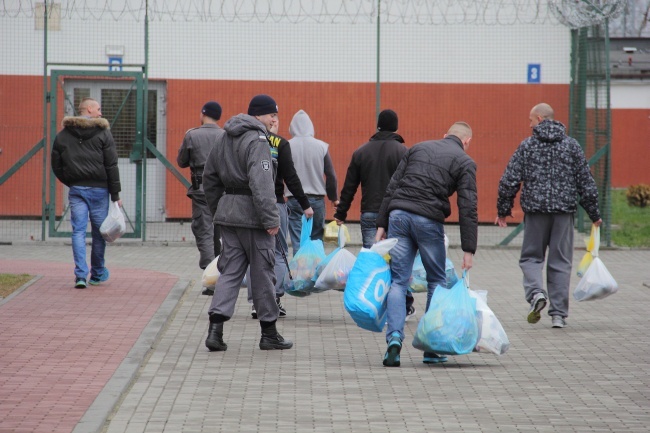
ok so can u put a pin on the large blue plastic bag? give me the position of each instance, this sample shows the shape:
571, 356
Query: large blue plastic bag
368, 284
332, 273
492, 336
303, 264
449, 326
418, 283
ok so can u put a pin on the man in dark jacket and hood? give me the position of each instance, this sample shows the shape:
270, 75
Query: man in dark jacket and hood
414, 211
84, 159
372, 166
554, 171
238, 180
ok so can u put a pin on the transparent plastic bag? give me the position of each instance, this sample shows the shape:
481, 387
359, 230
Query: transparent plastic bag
492, 336
597, 283
114, 226
333, 272
211, 274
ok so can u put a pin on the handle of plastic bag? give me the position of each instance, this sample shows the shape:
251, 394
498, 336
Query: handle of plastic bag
305, 231
466, 278
341, 236
594, 251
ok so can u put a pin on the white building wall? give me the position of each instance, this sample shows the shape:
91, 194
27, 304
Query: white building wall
287, 51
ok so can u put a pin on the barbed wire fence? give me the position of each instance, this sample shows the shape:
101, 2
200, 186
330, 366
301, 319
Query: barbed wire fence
434, 62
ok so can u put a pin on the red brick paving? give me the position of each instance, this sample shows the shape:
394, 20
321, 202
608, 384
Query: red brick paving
59, 345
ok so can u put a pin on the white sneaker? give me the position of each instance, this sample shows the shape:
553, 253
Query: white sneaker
253, 312
558, 322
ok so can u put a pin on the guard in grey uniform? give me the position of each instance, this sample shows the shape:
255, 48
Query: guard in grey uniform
238, 180
194, 151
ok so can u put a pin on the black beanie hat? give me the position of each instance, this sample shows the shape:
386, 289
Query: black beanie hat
212, 109
387, 121
261, 105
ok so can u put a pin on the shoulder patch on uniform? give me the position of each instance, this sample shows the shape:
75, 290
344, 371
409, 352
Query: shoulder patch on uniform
266, 165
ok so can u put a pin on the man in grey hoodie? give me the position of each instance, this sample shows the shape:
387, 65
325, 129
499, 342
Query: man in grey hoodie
316, 172
238, 180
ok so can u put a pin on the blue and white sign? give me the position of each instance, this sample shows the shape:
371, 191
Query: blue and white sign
534, 73
115, 63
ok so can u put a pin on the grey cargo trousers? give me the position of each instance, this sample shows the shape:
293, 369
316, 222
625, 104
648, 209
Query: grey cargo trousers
243, 247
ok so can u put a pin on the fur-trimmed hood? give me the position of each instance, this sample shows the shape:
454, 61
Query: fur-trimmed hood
85, 127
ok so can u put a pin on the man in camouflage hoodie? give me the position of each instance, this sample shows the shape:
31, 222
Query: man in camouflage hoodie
554, 171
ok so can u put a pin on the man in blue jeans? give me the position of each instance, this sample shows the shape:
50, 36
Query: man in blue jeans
414, 210
84, 158
372, 166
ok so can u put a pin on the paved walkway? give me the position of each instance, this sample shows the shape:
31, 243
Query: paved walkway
128, 356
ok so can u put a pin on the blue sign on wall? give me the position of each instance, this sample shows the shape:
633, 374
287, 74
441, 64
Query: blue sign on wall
115, 63
534, 73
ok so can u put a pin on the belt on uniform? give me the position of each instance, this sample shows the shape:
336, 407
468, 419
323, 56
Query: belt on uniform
315, 196
238, 191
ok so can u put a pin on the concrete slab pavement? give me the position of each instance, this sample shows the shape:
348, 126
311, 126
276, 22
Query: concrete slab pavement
593, 376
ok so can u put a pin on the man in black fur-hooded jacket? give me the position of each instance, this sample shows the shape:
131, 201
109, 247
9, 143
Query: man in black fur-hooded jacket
84, 159
554, 171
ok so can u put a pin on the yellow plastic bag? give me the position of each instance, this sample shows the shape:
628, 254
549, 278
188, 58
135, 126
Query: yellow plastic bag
332, 232
593, 244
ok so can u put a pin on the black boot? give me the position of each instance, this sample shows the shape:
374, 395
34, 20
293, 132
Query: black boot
271, 340
215, 342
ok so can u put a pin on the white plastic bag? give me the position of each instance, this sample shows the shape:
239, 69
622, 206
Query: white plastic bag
210, 274
492, 336
114, 226
332, 273
597, 283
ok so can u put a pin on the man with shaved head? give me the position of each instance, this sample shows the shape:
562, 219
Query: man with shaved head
554, 171
413, 211
84, 158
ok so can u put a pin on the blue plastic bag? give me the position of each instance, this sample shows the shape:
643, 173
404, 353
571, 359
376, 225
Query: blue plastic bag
418, 283
449, 326
303, 265
368, 284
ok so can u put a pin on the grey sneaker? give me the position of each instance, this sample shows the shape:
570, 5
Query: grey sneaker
536, 305
253, 312
558, 322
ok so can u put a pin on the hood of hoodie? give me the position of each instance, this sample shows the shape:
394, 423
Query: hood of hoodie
85, 127
549, 131
242, 123
301, 125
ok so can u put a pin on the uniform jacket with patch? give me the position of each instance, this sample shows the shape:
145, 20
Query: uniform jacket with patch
84, 154
554, 172
427, 176
197, 144
241, 159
